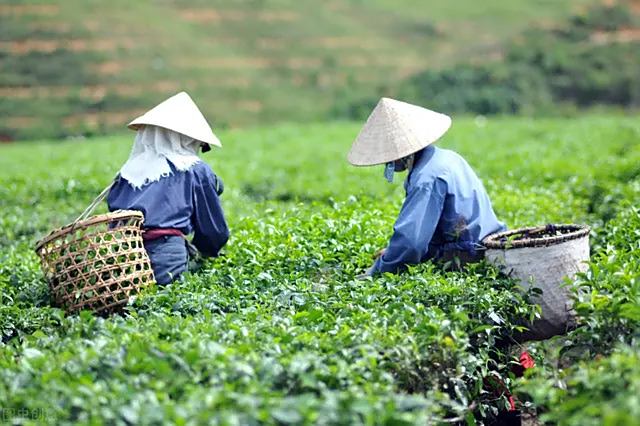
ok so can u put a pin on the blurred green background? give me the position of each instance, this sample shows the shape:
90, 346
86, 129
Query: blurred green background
84, 67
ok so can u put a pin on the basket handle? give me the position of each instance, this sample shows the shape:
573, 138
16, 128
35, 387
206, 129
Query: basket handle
93, 204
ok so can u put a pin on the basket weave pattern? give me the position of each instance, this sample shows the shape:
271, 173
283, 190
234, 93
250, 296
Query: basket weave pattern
97, 263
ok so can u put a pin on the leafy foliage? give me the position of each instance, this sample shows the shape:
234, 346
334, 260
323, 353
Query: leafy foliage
278, 331
592, 377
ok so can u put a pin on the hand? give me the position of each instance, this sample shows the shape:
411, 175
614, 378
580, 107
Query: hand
367, 274
379, 253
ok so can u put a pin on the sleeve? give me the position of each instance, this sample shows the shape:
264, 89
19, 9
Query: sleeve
413, 229
210, 227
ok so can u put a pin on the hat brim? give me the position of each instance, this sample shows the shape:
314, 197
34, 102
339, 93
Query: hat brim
141, 121
360, 156
179, 114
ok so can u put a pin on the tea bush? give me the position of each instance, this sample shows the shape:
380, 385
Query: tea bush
279, 331
592, 376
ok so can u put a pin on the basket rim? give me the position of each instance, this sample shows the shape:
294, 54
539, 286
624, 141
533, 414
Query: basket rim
93, 220
576, 231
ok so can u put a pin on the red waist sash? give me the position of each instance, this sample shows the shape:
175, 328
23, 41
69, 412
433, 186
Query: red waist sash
154, 234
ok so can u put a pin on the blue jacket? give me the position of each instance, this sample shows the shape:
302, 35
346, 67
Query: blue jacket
446, 209
187, 201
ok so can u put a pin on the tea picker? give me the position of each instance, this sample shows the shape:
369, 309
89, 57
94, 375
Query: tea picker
178, 193
163, 193
447, 216
446, 212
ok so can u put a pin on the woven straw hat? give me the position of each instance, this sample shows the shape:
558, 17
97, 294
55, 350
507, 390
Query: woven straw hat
180, 114
394, 130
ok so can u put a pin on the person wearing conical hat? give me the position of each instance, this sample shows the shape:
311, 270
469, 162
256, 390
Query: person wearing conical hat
177, 192
447, 211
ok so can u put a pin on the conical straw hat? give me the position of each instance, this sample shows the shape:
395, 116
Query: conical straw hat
180, 114
394, 130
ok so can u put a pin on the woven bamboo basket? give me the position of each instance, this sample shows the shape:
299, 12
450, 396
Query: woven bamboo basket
548, 258
96, 263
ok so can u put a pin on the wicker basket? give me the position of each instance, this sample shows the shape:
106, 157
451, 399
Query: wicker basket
96, 263
548, 258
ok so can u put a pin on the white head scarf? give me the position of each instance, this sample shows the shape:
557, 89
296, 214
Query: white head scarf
153, 149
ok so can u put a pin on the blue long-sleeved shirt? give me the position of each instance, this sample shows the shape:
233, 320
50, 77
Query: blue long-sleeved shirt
446, 209
187, 201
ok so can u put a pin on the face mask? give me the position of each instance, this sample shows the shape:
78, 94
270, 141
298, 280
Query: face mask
401, 165
389, 170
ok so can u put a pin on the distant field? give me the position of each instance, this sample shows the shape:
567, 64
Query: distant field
77, 66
